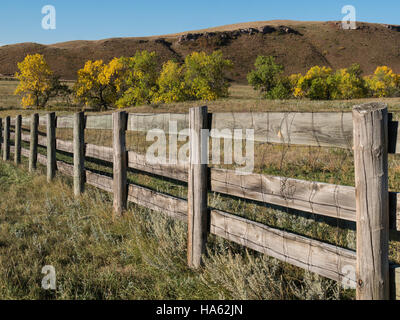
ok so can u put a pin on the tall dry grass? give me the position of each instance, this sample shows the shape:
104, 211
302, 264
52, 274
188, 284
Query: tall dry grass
140, 256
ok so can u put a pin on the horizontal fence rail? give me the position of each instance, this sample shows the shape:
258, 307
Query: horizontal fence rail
319, 198
323, 129
312, 129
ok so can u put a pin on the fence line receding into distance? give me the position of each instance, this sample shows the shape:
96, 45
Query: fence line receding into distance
369, 130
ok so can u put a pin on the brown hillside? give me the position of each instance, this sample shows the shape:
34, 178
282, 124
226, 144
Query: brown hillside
297, 45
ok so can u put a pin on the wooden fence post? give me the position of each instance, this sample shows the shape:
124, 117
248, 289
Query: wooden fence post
51, 146
6, 146
17, 151
1, 134
197, 186
120, 186
33, 142
79, 153
372, 200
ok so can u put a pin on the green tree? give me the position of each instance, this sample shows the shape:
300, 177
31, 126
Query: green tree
266, 75
138, 81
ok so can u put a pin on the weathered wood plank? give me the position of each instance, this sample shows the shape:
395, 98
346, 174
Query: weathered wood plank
99, 181
79, 153
17, 140
197, 187
315, 197
326, 129
99, 152
65, 168
174, 171
372, 200
395, 282
6, 139
51, 146
319, 198
119, 163
171, 206
312, 255
1, 135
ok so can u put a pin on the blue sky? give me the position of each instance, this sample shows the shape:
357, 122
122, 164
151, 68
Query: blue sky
21, 20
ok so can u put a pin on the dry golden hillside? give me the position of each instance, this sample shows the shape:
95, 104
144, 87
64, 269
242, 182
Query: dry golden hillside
297, 45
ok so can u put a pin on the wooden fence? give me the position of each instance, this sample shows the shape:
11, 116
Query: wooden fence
369, 130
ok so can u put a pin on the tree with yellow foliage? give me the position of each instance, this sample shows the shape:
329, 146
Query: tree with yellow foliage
205, 75
98, 83
171, 84
138, 81
314, 84
347, 83
384, 82
37, 83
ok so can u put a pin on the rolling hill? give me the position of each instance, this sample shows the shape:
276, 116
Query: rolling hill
297, 45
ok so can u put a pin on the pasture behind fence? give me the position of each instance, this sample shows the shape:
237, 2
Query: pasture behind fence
368, 130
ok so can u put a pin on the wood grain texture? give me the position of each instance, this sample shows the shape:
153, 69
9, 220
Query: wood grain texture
315, 197
79, 153
372, 200
17, 140
325, 129
6, 139
312, 255
119, 163
1, 135
197, 188
171, 206
394, 282
174, 171
51, 146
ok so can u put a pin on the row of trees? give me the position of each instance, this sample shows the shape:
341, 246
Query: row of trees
137, 80
128, 81
322, 83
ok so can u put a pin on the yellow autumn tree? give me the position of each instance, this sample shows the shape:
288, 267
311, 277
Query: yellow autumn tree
171, 84
98, 83
36, 81
138, 80
384, 82
314, 84
205, 75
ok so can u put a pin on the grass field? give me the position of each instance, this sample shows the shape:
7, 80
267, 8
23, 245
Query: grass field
142, 256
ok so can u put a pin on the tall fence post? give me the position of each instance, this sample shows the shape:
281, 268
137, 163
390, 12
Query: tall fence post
1, 134
33, 147
372, 200
17, 151
197, 186
79, 153
51, 146
120, 186
6, 135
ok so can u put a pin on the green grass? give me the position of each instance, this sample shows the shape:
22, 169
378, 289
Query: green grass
139, 256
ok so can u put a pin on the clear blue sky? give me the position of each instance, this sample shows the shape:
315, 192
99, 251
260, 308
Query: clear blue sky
21, 20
